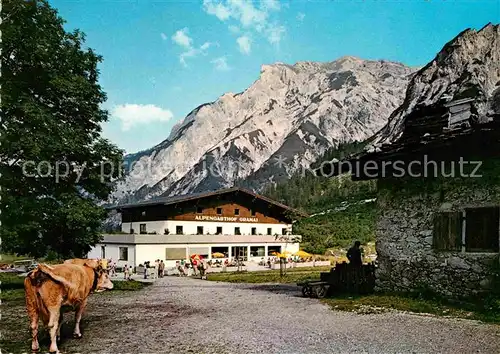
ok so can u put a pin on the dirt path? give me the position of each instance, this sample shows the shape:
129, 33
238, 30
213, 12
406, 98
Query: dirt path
179, 315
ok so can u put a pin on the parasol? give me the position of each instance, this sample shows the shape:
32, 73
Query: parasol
302, 254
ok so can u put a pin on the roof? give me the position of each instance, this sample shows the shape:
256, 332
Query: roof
460, 101
194, 196
426, 129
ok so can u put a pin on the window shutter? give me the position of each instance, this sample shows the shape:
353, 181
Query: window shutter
447, 235
482, 230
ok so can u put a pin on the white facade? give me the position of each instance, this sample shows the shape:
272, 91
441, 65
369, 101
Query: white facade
141, 248
191, 227
229, 232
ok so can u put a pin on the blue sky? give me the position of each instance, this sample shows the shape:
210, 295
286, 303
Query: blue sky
164, 58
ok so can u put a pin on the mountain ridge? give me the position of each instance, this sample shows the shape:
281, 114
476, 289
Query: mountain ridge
296, 111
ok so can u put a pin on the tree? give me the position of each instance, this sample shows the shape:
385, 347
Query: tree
55, 165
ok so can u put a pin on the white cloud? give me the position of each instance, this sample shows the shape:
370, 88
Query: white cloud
192, 52
219, 10
234, 29
244, 44
220, 64
271, 4
275, 33
181, 38
300, 16
163, 36
205, 46
248, 16
135, 114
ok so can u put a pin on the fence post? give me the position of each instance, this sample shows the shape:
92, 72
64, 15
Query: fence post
282, 267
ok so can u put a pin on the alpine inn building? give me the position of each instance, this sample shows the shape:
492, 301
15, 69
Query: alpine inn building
234, 222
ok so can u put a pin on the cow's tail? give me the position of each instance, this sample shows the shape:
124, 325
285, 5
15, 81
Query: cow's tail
31, 295
47, 270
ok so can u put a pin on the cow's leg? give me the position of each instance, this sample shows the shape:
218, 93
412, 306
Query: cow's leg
33, 315
32, 309
54, 313
78, 317
61, 317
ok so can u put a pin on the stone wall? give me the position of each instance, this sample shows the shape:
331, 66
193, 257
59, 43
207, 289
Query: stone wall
406, 207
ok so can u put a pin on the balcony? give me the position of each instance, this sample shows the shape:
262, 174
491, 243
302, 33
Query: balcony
183, 239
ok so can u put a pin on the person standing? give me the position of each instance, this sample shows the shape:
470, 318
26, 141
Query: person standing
354, 255
194, 264
161, 269
125, 273
202, 268
154, 270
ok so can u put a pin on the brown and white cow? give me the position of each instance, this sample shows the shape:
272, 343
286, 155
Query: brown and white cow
52, 290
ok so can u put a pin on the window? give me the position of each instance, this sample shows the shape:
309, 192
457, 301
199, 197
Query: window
283, 231
223, 250
142, 228
123, 253
219, 211
481, 233
257, 251
175, 254
103, 252
253, 212
447, 231
219, 230
199, 210
269, 231
254, 231
481, 229
178, 230
237, 231
236, 211
199, 230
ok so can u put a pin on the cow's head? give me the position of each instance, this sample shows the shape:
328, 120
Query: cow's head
102, 281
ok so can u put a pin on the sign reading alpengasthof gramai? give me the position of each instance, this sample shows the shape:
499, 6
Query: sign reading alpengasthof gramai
225, 218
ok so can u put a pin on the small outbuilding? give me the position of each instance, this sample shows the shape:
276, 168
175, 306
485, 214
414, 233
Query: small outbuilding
438, 225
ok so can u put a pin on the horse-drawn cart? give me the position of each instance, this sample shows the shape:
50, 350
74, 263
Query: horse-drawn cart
343, 278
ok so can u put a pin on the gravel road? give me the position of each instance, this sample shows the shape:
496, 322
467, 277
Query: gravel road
181, 315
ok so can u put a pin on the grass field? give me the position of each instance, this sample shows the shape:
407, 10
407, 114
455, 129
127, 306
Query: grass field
269, 276
9, 258
486, 310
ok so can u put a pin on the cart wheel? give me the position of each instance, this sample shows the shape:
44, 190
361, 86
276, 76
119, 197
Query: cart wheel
320, 291
306, 291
